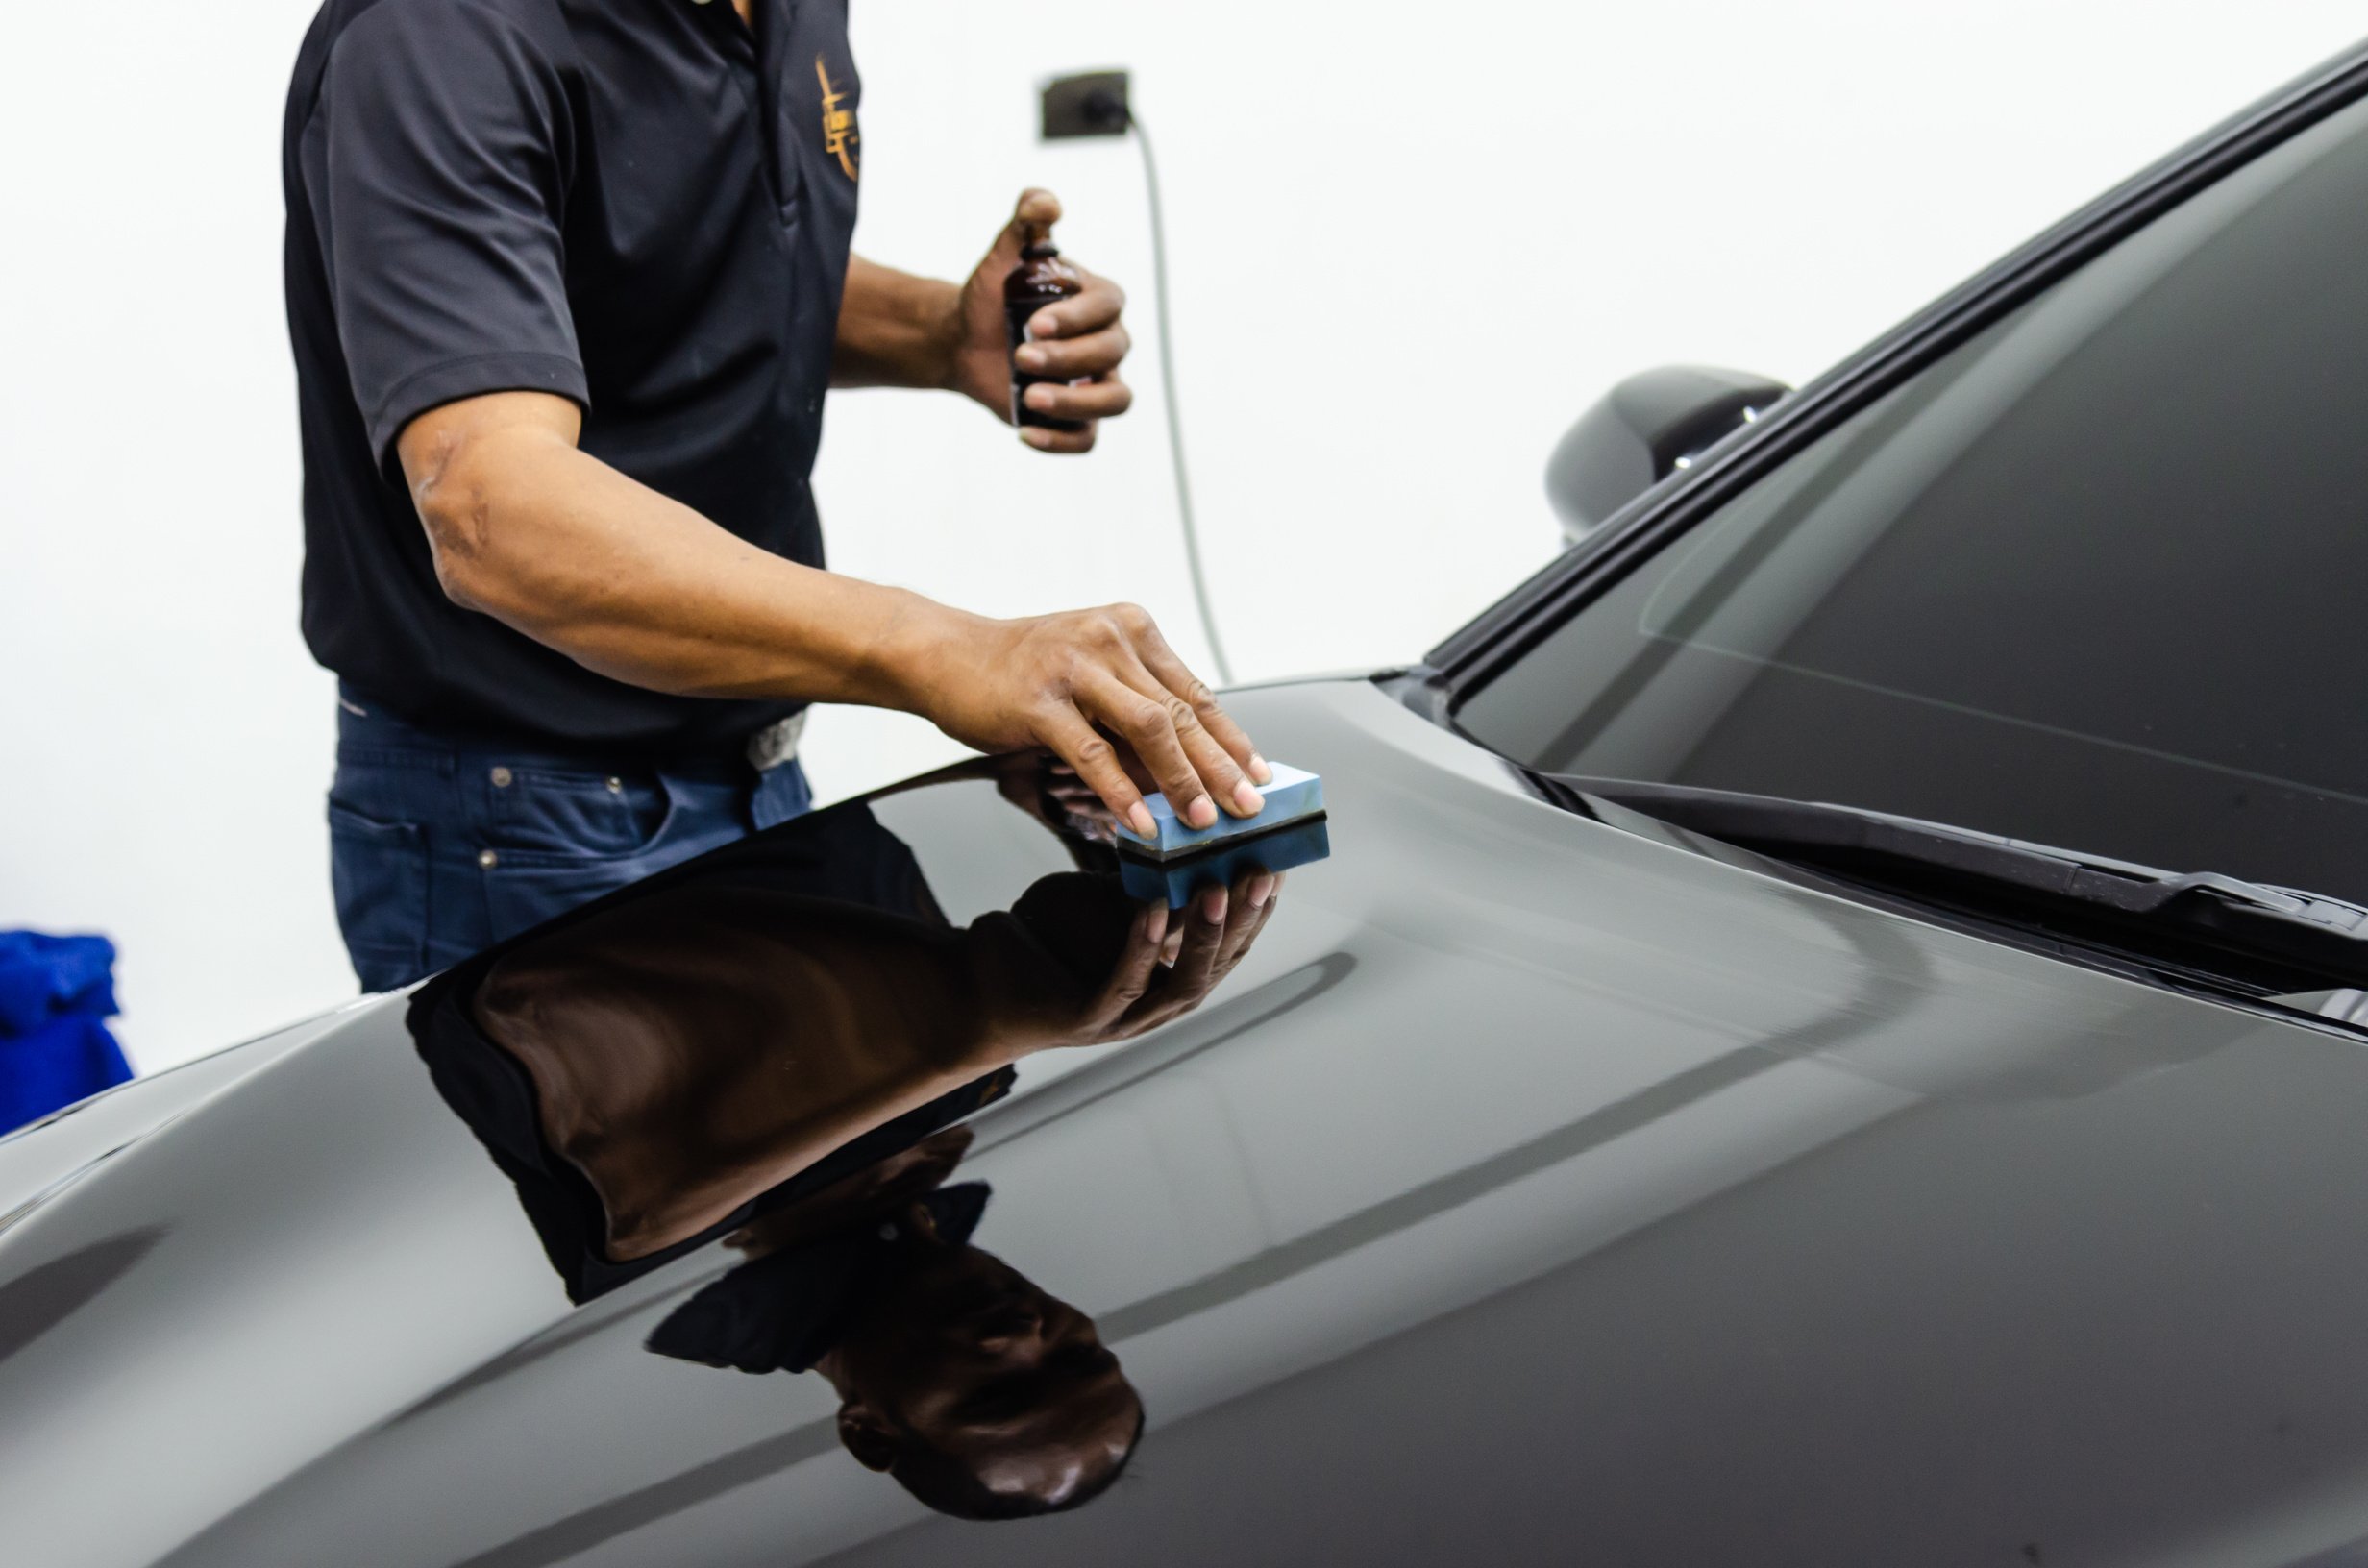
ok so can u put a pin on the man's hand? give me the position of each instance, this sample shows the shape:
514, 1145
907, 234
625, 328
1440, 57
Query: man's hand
1079, 339
1164, 965
1100, 690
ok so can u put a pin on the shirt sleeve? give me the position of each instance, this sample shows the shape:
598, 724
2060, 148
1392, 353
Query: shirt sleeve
448, 150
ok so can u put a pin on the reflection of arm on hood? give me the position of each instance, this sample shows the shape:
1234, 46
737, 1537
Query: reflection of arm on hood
693, 1049
492, 1094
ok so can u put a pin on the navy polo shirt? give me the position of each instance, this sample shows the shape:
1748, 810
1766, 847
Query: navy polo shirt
644, 205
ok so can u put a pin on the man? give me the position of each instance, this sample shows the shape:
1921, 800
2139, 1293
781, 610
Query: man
567, 282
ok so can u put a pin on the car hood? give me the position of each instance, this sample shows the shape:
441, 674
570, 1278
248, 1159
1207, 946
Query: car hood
1533, 1191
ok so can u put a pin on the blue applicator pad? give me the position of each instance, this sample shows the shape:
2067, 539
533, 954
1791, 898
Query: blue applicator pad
1178, 877
1294, 796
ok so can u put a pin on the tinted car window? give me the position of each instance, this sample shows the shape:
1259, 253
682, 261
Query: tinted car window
2093, 579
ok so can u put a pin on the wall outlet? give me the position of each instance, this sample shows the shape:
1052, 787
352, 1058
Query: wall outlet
1089, 104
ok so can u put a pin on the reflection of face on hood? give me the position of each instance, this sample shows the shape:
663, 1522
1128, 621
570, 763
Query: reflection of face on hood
981, 1394
782, 1311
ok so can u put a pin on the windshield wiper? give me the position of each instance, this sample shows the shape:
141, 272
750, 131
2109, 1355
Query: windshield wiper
2277, 938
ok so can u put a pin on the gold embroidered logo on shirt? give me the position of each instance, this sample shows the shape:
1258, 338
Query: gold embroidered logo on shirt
839, 136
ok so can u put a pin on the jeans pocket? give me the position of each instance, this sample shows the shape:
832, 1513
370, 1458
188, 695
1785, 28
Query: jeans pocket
377, 871
569, 817
525, 888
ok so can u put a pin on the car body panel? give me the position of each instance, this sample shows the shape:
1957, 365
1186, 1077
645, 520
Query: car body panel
1532, 1191
40, 1159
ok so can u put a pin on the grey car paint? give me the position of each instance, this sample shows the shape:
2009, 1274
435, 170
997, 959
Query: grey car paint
1534, 1191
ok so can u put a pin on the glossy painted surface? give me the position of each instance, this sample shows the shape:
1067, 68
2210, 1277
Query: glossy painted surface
1532, 1191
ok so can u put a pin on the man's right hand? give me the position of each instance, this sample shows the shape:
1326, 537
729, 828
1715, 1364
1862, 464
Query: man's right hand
1100, 690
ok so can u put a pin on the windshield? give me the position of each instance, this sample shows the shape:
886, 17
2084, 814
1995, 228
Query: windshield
2093, 579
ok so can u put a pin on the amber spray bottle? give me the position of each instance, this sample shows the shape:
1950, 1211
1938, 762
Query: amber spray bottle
1041, 278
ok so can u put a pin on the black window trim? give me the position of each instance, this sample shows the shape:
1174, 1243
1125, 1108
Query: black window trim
1518, 623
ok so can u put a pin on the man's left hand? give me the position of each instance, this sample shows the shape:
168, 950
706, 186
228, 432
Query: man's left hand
1078, 340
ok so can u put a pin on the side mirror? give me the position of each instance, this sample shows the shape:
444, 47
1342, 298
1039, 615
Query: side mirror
1642, 431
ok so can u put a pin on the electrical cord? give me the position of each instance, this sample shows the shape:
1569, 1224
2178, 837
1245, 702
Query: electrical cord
1176, 419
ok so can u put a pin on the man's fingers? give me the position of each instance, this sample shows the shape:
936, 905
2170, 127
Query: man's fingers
1136, 771
1149, 727
1060, 441
1083, 747
1097, 353
1087, 400
1095, 306
1194, 969
1036, 209
1131, 976
1173, 674
1253, 900
1227, 779
1032, 216
1111, 717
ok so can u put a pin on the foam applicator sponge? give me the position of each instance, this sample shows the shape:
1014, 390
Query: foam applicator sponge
1293, 796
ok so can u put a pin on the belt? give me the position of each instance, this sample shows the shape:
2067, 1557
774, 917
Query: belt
776, 743
366, 723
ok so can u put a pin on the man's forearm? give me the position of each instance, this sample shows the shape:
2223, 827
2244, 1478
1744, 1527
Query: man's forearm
575, 554
560, 546
896, 330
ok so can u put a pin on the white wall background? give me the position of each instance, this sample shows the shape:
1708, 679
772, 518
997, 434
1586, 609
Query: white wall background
1410, 243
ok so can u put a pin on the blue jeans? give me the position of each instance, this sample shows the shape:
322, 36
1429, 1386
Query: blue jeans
439, 848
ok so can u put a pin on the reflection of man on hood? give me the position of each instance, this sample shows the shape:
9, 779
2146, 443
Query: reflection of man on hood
740, 1051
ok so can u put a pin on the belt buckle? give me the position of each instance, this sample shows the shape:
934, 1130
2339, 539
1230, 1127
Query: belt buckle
776, 743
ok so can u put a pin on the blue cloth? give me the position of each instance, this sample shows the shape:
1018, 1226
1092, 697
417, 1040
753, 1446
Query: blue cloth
55, 995
441, 847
